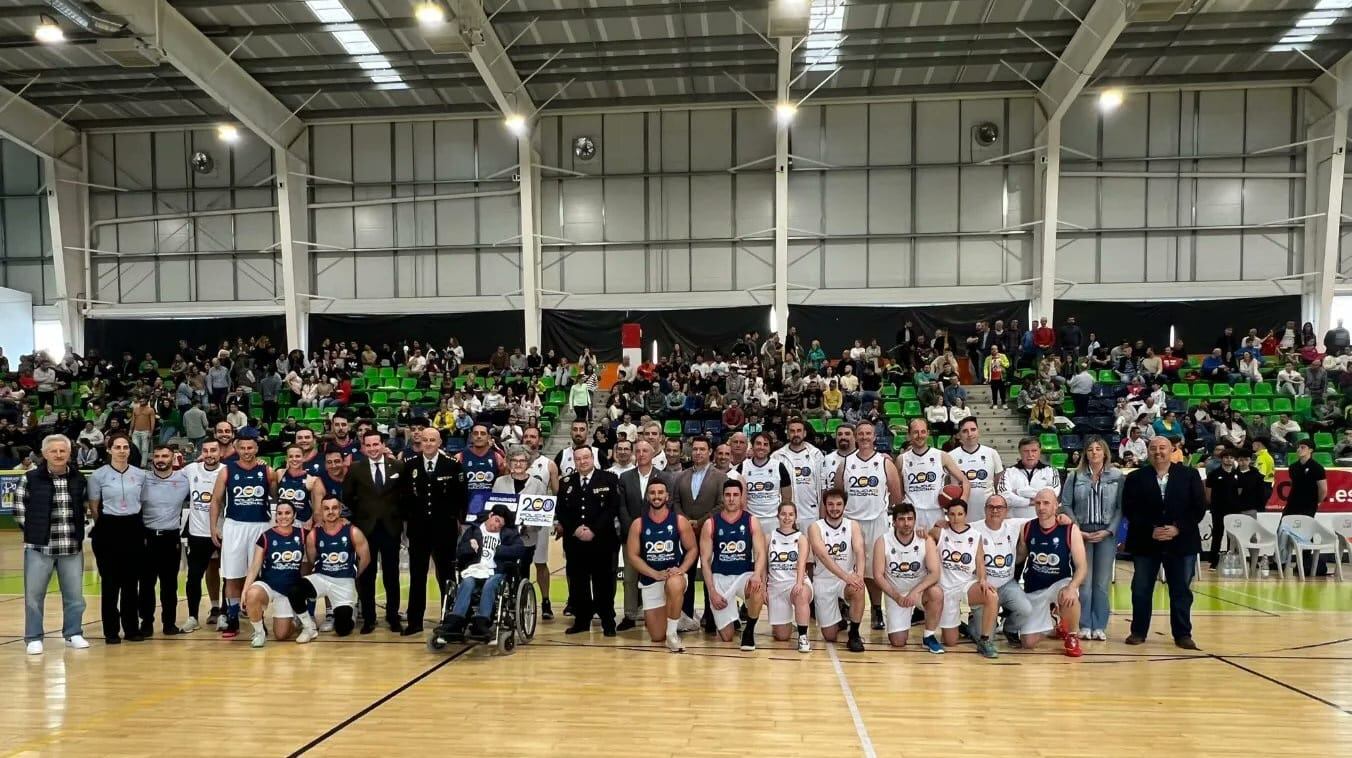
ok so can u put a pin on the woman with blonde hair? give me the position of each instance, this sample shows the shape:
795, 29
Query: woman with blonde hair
1092, 495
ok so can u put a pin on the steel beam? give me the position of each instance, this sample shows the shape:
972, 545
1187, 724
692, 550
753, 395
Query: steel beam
1047, 190
781, 301
1081, 57
1326, 166
293, 228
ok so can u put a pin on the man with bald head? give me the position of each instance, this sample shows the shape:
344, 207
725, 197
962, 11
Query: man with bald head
1055, 571
652, 434
738, 445
436, 503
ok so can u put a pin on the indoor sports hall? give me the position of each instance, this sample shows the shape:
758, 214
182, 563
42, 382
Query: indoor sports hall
675, 377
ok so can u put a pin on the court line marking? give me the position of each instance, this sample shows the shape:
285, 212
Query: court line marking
864, 741
1261, 599
1232, 602
1290, 687
345, 723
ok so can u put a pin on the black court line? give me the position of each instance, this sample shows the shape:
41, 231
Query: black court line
1232, 602
1314, 645
1280, 683
46, 634
345, 723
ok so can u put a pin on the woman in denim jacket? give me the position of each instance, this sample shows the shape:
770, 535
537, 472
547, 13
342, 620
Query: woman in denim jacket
1092, 494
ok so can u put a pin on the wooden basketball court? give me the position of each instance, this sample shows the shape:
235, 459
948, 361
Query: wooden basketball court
1274, 677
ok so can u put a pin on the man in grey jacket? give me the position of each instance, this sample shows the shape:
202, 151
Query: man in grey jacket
633, 485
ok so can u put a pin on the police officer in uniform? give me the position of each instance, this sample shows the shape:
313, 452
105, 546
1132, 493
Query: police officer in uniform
438, 499
588, 516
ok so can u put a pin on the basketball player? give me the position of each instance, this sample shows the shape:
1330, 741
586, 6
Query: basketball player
1000, 543
224, 432
962, 573
871, 482
204, 559
788, 588
733, 558
922, 474
297, 486
577, 433
906, 567
804, 462
661, 545
242, 490
483, 464
338, 551
544, 469
343, 439
335, 473
652, 434
980, 464
768, 483
278, 556
311, 460
838, 544
832, 460
1055, 571
1022, 481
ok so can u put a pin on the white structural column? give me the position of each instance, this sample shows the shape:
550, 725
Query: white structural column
781, 303
1326, 166
293, 228
530, 239
1048, 189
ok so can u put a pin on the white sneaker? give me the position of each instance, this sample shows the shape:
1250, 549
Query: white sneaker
260, 637
1085, 633
995, 407
803, 645
34, 647
1100, 635
306, 635
327, 625
189, 626
77, 642
674, 643
222, 622
687, 625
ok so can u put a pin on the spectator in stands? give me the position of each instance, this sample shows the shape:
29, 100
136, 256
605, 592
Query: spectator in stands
1041, 417
994, 371
1336, 340
938, 417
1326, 416
1227, 344
1128, 366
1215, 368
1044, 339
1171, 365
1250, 368
1151, 366
675, 402
1071, 341
832, 401
1166, 425
1316, 381
1342, 451
1132, 444
1288, 339
1290, 381
1282, 430
1231, 431
734, 417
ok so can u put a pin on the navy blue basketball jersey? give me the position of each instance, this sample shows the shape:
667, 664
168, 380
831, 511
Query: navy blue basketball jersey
660, 544
283, 555
292, 489
1048, 556
733, 545
314, 466
246, 493
335, 555
480, 471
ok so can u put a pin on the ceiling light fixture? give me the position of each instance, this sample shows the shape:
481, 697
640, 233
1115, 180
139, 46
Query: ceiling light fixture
516, 124
227, 133
430, 14
784, 113
1110, 99
48, 31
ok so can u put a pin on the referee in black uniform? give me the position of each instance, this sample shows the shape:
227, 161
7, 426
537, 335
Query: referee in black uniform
588, 510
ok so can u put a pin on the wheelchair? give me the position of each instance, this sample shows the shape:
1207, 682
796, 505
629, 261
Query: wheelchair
515, 611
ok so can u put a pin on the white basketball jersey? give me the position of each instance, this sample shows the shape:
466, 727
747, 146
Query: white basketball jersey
201, 483
830, 463
783, 563
980, 468
1001, 548
957, 558
922, 477
660, 460
806, 470
762, 486
839, 541
566, 465
866, 484
905, 562
539, 468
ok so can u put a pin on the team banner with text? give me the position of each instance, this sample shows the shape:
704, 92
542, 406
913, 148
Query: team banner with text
1338, 500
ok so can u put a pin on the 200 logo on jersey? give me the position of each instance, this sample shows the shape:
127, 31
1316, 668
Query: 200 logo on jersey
921, 479
734, 547
976, 474
784, 556
286, 559
903, 568
480, 477
659, 547
760, 487
956, 558
334, 560
859, 482
292, 495
837, 549
1048, 560
248, 491
999, 561
802, 473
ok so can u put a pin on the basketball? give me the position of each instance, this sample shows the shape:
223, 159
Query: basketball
949, 494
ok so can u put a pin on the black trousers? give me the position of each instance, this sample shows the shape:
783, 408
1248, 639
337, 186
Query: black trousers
161, 564
119, 546
591, 571
437, 544
269, 411
200, 550
688, 604
385, 552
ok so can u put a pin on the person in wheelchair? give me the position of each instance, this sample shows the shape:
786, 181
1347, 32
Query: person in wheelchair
487, 554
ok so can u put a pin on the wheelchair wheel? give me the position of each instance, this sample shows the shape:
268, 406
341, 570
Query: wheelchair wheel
436, 643
526, 610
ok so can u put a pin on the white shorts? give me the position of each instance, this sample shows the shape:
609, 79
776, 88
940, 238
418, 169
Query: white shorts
340, 591
873, 530
279, 607
781, 605
542, 545
237, 546
898, 616
953, 600
653, 596
926, 518
826, 597
1040, 620
732, 588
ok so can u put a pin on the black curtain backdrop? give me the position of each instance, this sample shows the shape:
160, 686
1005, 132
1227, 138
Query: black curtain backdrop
160, 336
479, 333
839, 326
697, 329
1197, 322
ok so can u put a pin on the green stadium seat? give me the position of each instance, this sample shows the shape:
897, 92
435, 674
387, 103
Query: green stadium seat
818, 425
547, 381
1220, 390
889, 391
1014, 392
460, 382
386, 373
557, 397
1202, 390
371, 374
1180, 389
546, 427
358, 383
1058, 460
907, 392
312, 414
1241, 390
1304, 407
1323, 459
315, 426
1323, 441
401, 372
1107, 377
1282, 405
1068, 407
1050, 442
275, 429
941, 440
1263, 389
1239, 404
911, 408
408, 383
380, 398
832, 424
397, 398
1261, 405
672, 428
891, 409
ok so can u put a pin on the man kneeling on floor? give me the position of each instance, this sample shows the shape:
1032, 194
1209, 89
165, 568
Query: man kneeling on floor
486, 553
1055, 571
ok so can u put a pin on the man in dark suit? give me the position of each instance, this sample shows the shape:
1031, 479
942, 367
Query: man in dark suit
699, 494
374, 490
588, 508
438, 499
1163, 504
633, 486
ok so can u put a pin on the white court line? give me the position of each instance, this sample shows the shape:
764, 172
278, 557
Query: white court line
1259, 598
864, 741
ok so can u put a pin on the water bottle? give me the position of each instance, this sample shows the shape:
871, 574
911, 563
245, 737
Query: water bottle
1265, 570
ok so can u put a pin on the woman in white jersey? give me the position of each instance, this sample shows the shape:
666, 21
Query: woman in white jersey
906, 568
790, 589
962, 573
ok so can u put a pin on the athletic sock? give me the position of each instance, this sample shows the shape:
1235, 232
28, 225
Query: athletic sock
854, 629
671, 627
232, 609
930, 632
749, 628
802, 629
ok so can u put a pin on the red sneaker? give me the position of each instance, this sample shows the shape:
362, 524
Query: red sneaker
1060, 632
1072, 646
229, 634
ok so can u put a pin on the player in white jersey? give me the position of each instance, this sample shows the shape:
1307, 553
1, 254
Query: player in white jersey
871, 481
962, 573
842, 564
906, 567
804, 462
204, 559
789, 589
563, 460
768, 483
831, 461
652, 434
1000, 543
980, 464
542, 468
922, 474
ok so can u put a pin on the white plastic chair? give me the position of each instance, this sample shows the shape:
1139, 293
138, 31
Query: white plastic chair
1301, 534
1244, 533
1342, 526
